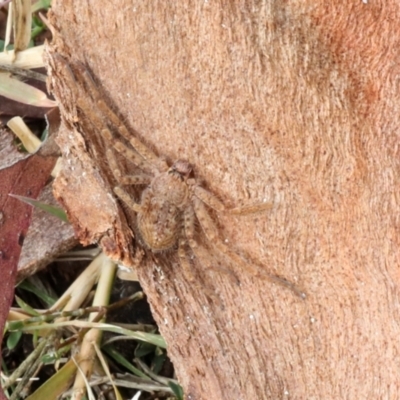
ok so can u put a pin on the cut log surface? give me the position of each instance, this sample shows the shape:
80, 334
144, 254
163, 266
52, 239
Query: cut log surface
284, 102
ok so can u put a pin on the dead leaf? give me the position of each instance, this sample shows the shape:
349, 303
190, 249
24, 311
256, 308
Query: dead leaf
26, 178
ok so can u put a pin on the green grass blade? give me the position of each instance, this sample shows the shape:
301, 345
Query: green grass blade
56, 211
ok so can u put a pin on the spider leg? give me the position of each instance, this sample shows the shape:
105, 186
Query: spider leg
137, 179
98, 123
145, 152
213, 202
188, 271
128, 153
208, 198
211, 233
144, 158
127, 199
189, 227
184, 261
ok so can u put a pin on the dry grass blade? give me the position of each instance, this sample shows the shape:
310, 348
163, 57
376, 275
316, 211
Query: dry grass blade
28, 59
25, 135
57, 384
75, 295
107, 371
19, 91
22, 21
93, 336
24, 73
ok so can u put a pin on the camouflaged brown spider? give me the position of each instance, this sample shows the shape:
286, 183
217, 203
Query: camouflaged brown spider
172, 199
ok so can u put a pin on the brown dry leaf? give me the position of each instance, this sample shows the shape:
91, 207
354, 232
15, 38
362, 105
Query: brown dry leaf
48, 237
26, 178
9, 154
268, 100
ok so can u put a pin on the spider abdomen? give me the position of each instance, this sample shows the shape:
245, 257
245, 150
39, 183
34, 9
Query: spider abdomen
160, 227
159, 222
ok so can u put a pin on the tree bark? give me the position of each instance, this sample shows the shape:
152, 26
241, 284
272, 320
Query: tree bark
292, 103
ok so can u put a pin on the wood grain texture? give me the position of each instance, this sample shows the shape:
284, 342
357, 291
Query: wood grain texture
292, 103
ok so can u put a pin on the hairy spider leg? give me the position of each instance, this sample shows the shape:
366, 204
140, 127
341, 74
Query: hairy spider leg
213, 202
212, 235
136, 179
184, 261
187, 237
120, 147
127, 199
98, 123
140, 147
199, 252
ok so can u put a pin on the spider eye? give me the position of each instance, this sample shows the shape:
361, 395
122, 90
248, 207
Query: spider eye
174, 171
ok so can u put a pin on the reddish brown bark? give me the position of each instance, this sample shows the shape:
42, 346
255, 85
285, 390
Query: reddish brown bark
293, 103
